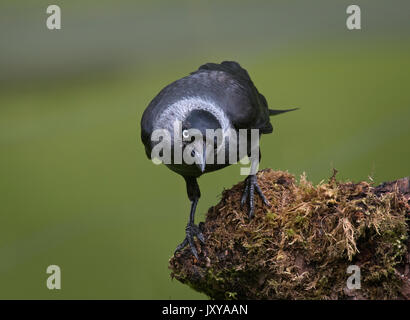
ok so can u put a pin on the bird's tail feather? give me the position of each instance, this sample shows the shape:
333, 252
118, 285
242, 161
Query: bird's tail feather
273, 112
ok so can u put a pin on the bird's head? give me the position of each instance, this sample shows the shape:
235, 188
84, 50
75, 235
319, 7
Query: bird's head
200, 131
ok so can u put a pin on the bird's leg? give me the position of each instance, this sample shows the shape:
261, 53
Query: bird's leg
191, 229
251, 185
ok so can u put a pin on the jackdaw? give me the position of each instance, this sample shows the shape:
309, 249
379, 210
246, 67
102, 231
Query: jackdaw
219, 99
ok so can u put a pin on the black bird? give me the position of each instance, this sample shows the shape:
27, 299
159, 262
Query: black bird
216, 96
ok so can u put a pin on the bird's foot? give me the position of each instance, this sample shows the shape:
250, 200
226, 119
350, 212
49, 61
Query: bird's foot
191, 231
251, 184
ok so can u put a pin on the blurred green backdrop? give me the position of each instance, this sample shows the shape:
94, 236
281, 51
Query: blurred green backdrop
76, 188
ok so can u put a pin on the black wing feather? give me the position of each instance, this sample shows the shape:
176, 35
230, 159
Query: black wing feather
252, 109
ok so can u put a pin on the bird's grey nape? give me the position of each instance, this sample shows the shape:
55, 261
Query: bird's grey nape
179, 110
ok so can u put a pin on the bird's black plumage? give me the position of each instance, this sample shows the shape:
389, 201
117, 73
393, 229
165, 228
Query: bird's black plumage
228, 84
214, 96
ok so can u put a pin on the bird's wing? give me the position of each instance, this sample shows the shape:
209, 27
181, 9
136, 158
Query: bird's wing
231, 67
245, 106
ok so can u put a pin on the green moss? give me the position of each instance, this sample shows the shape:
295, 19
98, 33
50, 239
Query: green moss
301, 246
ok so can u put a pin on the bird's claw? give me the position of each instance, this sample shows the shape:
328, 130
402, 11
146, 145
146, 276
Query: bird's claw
251, 184
191, 231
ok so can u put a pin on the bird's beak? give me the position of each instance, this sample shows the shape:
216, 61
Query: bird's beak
200, 157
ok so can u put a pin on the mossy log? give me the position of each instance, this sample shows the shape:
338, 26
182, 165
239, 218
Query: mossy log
301, 246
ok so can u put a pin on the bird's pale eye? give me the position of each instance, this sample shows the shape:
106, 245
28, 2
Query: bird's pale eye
185, 134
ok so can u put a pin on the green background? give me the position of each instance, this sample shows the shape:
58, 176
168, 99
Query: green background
76, 189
